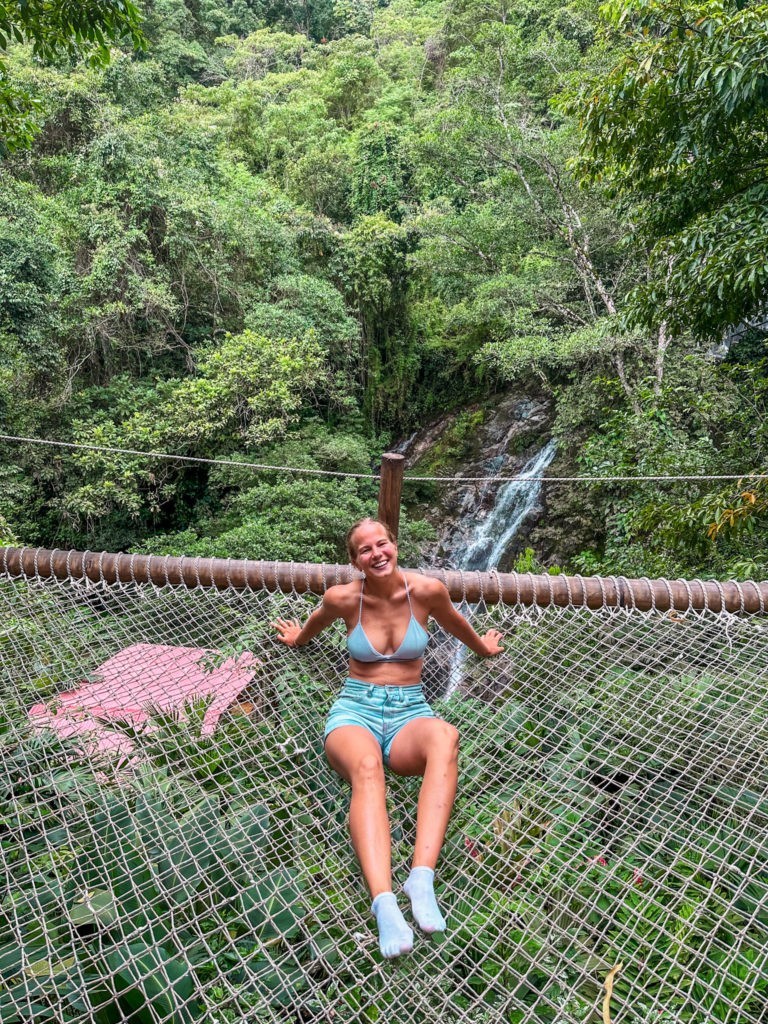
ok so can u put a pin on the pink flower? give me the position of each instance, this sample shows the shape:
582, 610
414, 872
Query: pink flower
637, 877
471, 848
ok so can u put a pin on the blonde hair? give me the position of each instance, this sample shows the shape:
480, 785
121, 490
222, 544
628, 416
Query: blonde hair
367, 521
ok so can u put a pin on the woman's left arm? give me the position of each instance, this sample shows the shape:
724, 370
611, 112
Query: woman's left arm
443, 612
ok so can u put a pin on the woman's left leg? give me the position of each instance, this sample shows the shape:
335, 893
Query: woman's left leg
428, 747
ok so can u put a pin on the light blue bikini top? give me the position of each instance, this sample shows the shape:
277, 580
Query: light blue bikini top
411, 649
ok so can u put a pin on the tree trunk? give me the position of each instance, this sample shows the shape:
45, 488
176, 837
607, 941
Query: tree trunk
621, 371
661, 351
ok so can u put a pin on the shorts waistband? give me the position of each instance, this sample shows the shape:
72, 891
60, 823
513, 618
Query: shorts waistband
357, 686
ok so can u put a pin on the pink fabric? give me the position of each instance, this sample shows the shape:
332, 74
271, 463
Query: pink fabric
136, 680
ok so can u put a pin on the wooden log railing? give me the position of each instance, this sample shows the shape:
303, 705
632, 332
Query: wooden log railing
305, 577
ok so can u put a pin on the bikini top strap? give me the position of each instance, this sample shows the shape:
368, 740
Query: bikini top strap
360, 613
407, 592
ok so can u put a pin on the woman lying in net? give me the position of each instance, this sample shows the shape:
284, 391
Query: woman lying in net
381, 718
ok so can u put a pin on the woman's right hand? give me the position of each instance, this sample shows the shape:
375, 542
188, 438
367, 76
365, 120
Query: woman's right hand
287, 631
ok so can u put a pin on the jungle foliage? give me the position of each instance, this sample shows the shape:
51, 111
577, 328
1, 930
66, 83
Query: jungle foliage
291, 233
213, 875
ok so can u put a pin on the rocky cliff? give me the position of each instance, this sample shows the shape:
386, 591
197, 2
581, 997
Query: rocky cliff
498, 437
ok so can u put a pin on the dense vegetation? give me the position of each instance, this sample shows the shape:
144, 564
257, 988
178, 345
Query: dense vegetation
290, 233
612, 810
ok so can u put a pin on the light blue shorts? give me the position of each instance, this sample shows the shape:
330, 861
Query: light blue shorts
382, 710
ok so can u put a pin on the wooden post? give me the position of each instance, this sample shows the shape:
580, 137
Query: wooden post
390, 489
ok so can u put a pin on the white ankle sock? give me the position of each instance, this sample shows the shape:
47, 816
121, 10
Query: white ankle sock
419, 889
395, 937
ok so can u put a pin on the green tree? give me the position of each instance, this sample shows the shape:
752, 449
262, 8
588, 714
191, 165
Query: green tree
52, 28
532, 264
247, 390
372, 269
677, 129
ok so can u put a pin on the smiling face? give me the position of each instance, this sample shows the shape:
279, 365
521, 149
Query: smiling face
372, 549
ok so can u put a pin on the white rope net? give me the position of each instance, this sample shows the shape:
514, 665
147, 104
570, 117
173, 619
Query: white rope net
188, 858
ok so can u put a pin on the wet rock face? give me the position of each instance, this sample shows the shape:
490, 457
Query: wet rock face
497, 438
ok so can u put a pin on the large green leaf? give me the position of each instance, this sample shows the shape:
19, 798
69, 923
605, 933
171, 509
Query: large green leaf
279, 985
97, 907
11, 960
271, 906
248, 831
152, 985
16, 1002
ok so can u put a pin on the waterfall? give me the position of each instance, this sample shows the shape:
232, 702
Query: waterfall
485, 545
514, 503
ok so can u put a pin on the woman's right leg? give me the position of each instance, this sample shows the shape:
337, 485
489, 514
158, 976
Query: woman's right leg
355, 754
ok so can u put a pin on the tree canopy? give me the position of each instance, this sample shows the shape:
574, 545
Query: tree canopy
677, 129
56, 28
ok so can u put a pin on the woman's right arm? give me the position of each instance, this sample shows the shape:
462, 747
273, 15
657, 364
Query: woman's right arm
293, 634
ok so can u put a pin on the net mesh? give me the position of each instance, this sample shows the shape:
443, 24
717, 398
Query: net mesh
188, 858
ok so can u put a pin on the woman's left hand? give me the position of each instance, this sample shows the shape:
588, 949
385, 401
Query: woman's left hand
492, 642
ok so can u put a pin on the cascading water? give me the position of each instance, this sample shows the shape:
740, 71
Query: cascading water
514, 503
483, 548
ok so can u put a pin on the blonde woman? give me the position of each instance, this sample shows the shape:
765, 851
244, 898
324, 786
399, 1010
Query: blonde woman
382, 719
